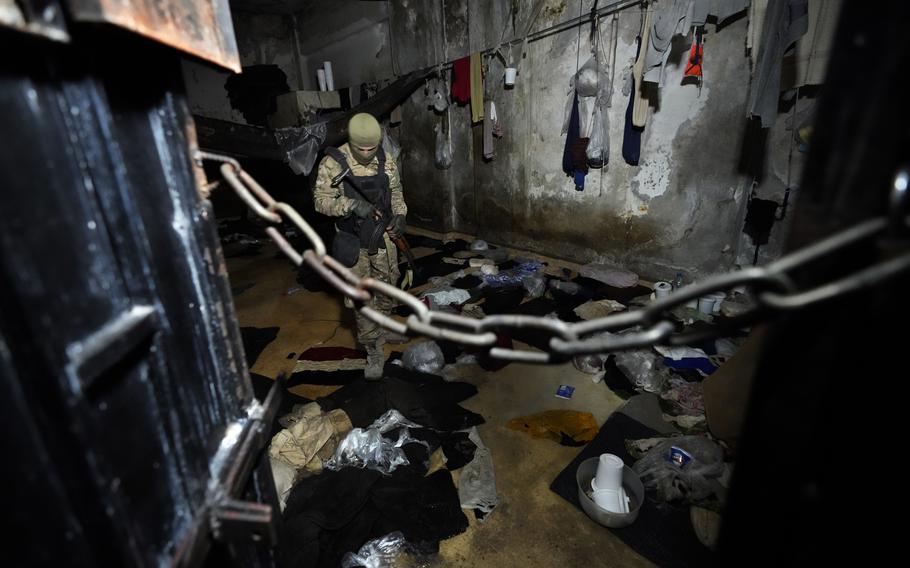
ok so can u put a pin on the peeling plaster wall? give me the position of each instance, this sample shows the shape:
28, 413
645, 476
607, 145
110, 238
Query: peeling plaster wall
681, 209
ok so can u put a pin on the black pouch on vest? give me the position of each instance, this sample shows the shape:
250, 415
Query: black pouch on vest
346, 248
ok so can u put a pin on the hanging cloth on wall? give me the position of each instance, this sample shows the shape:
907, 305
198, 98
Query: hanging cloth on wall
696, 54
461, 80
574, 154
785, 22
639, 103
476, 87
488, 119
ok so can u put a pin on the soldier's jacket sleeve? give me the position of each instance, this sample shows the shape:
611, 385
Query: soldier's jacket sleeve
398, 205
329, 200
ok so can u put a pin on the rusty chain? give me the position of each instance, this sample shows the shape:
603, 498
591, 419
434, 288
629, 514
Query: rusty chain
773, 289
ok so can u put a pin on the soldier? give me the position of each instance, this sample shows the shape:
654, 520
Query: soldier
368, 202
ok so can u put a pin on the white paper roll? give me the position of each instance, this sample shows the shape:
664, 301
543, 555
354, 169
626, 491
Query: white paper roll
329, 77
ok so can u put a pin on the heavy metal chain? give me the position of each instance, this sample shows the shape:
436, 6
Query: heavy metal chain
772, 287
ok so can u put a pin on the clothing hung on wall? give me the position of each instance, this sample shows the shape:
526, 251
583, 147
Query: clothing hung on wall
476, 87
785, 22
461, 80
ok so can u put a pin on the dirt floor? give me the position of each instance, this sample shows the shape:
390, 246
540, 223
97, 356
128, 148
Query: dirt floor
532, 526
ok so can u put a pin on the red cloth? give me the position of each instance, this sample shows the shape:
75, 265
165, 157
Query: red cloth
693, 68
461, 80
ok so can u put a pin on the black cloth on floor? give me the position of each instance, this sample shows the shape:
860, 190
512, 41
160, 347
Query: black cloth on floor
662, 533
426, 399
467, 282
254, 341
415, 241
502, 300
430, 266
457, 447
324, 377
311, 280
601, 291
616, 380
450, 350
338, 511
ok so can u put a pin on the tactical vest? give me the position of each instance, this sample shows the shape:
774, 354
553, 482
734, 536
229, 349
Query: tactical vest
375, 189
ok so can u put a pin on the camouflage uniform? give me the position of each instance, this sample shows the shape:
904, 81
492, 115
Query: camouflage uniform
383, 265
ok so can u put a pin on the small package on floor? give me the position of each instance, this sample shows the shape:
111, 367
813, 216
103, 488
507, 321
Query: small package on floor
565, 391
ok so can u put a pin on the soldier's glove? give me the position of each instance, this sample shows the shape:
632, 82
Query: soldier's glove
362, 209
398, 225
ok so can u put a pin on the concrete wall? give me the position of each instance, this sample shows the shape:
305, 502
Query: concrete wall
353, 35
680, 209
262, 39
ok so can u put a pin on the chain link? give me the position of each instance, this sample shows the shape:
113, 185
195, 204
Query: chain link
772, 287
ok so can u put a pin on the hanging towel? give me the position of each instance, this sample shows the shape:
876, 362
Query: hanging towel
489, 118
640, 105
461, 80
574, 155
476, 87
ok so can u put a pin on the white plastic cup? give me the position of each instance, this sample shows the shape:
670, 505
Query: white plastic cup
320, 75
706, 304
609, 473
613, 500
662, 289
329, 76
511, 73
719, 298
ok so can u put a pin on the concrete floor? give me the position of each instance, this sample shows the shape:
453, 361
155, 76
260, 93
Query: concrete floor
532, 526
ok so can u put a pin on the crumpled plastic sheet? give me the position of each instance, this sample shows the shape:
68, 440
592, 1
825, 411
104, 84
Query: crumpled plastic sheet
565, 287
688, 397
678, 353
592, 365
368, 448
513, 276
443, 156
382, 552
477, 484
301, 145
535, 285
644, 368
479, 245
425, 357
610, 275
389, 145
447, 295
697, 480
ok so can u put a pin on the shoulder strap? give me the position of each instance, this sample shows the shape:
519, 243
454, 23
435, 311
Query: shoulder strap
338, 156
380, 155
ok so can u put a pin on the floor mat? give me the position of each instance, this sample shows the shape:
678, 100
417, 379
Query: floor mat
662, 533
255, 340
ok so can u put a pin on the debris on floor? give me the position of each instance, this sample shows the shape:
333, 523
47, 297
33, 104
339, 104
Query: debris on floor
330, 359
477, 484
565, 427
425, 357
565, 391
598, 308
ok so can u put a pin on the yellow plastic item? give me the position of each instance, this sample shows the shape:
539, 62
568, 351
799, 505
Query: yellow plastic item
567, 427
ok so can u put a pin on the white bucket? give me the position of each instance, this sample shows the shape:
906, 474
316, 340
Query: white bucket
662, 289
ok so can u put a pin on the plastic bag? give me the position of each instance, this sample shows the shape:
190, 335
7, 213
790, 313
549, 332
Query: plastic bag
443, 159
644, 369
685, 468
425, 357
565, 287
479, 245
534, 284
367, 448
378, 553
592, 365
598, 151
477, 484
513, 276
447, 295
301, 145
389, 145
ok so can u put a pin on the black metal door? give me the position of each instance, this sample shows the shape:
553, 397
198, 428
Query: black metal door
128, 417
